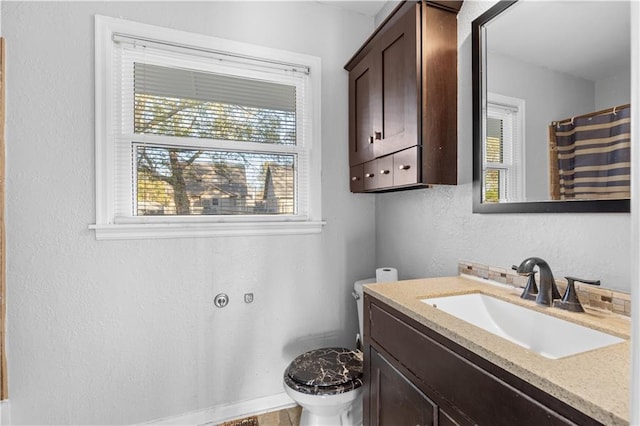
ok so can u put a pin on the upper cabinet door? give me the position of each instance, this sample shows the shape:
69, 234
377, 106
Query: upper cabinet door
398, 81
363, 112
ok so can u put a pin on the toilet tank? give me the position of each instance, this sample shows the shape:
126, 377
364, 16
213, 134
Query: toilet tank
357, 294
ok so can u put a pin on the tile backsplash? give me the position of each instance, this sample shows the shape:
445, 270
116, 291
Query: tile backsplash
594, 297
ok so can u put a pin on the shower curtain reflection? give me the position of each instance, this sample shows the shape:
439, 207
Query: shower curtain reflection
590, 155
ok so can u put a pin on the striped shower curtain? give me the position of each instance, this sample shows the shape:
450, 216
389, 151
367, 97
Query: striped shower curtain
590, 156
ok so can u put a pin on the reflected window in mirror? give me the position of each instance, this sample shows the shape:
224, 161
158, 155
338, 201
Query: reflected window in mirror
503, 162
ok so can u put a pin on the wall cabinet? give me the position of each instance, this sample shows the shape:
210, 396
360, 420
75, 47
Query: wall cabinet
403, 101
411, 369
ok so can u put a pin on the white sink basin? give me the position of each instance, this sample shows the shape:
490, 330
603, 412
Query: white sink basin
546, 335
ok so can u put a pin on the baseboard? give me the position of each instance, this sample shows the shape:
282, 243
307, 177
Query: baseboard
5, 413
226, 412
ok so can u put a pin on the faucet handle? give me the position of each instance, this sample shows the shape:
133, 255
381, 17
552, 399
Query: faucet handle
580, 280
524, 274
570, 301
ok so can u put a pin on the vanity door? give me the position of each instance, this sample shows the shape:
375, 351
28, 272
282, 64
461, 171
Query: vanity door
395, 400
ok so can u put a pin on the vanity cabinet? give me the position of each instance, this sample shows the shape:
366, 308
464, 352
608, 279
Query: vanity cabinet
403, 101
412, 369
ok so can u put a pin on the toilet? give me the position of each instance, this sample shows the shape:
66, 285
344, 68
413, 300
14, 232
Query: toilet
327, 382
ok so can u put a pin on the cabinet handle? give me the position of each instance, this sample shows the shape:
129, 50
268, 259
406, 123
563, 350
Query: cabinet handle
369, 175
384, 172
370, 139
355, 178
404, 167
378, 135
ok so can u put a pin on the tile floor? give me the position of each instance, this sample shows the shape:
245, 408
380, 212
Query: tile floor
287, 417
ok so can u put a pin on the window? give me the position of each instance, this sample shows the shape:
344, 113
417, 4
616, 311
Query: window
198, 136
503, 165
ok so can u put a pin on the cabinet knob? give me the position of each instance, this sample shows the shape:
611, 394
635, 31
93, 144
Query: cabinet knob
404, 167
370, 139
355, 179
369, 175
378, 135
385, 172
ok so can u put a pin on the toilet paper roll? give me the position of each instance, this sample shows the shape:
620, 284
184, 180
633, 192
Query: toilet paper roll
385, 275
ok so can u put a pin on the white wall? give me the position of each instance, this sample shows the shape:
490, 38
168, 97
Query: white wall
426, 232
614, 90
114, 332
548, 95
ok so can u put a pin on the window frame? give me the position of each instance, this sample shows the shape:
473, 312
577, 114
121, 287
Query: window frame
110, 226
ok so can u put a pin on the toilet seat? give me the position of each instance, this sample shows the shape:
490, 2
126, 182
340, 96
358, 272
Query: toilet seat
326, 371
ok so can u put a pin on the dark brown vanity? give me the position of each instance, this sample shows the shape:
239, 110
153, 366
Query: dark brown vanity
423, 366
415, 376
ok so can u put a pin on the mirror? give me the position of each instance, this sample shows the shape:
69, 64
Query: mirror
551, 114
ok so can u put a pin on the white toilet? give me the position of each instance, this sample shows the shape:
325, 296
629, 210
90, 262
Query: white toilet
327, 382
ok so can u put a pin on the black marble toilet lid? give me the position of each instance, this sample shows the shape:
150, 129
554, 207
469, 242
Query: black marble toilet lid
326, 367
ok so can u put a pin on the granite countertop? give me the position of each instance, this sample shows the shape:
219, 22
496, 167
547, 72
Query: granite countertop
595, 382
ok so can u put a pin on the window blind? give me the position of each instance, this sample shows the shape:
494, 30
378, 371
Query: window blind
493, 179
182, 102
197, 135
494, 143
502, 151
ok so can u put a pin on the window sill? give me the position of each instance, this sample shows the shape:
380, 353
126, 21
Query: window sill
140, 231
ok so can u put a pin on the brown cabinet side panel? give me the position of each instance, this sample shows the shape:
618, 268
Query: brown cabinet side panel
439, 94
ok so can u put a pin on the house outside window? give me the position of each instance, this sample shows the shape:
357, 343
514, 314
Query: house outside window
503, 163
198, 136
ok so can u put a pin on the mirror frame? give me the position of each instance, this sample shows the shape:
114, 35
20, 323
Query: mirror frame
573, 206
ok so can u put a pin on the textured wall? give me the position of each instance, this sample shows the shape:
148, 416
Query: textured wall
108, 332
426, 232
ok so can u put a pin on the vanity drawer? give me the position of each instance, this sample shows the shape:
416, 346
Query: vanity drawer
378, 174
405, 167
356, 178
450, 375
385, 170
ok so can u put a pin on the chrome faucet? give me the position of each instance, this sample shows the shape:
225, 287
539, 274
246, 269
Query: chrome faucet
547, 289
